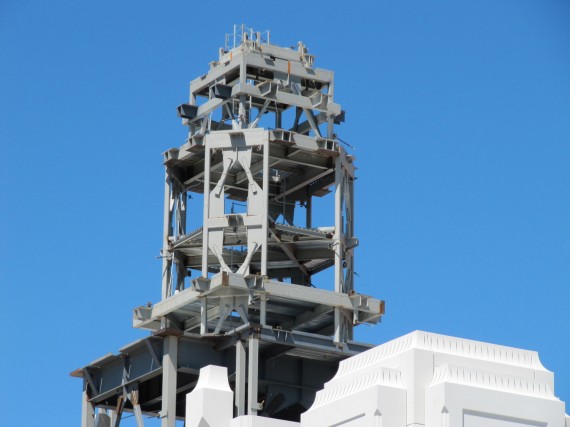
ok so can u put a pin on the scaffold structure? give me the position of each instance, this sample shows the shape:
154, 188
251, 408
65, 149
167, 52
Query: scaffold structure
241, 289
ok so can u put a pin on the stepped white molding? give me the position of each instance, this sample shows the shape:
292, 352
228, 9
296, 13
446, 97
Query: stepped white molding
361, 381
445, 345
492, 381
418, 380
432, 380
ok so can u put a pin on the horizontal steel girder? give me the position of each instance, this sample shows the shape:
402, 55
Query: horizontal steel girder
283, 63
136, 363
185, 304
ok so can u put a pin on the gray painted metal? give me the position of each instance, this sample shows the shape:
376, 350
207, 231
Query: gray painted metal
253, 375
240, 378
278, 350
103, 420
261, 134
169, 381
87, 408
278, 304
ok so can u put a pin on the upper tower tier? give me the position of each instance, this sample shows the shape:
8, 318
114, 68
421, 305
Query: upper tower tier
261, 147
255, 78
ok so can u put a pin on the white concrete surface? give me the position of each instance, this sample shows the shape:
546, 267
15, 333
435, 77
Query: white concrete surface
443, 381
418, 380
210, 404
256, 421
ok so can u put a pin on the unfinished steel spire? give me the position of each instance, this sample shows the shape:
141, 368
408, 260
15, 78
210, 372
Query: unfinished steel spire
240, 290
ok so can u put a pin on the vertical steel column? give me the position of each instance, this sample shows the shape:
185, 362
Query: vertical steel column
192, 102
350, 255
347, 176
166, 232
339, 223
330, 126
240, 378
252, 375
203, 316
278, 117
338, 325
169, 366
181, 273
205, 229
350, 228
338, 249
242, 110
265, 219
87, 409
263, 310
309, 212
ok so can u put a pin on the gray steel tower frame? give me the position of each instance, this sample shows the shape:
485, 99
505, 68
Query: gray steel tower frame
261, 136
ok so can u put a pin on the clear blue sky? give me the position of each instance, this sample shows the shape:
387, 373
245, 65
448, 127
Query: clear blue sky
460, 112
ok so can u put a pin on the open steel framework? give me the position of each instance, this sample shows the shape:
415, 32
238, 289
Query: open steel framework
261, 138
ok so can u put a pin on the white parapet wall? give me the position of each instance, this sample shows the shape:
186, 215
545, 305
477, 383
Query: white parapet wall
420, 379
255, 421
210, 404
431, 380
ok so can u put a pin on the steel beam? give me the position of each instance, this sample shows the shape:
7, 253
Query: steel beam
166, 233
298, 251
169, 367
371, 308
306, 317
253, 375
319, 344
240, 378
300, 181
87, 409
